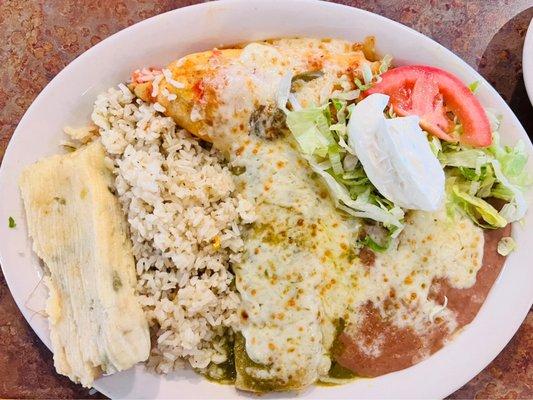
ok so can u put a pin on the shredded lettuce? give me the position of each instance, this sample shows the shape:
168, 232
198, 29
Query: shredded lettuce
495, 172
516, 207
474, 86
362, 87
434, 143
364, 205
351, 95
367, 74
321, 135
468, 158
334, 154
385, 64
474, 176
506, 245
512, 160
311, 130
478, 209
494, 119
372, 244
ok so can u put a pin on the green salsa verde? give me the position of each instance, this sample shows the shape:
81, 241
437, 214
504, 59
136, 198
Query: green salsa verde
238, 362
336, 370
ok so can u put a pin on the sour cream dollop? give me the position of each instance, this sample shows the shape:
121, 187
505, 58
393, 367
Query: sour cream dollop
396, 156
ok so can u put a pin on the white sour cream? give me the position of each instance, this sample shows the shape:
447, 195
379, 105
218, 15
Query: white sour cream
396, 156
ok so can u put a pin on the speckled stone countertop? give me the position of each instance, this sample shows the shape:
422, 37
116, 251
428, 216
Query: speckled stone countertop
39, 38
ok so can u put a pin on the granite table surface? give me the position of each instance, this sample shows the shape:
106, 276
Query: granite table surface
38, 38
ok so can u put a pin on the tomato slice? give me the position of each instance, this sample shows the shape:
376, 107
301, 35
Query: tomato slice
432, 94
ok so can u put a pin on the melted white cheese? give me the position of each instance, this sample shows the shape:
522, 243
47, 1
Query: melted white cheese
301, 274
295, 242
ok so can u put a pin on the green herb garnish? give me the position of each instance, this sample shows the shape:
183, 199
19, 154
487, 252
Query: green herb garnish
474, 86
360, 85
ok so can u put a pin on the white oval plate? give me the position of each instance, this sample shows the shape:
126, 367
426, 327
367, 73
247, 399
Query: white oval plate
527, 61
68, 99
